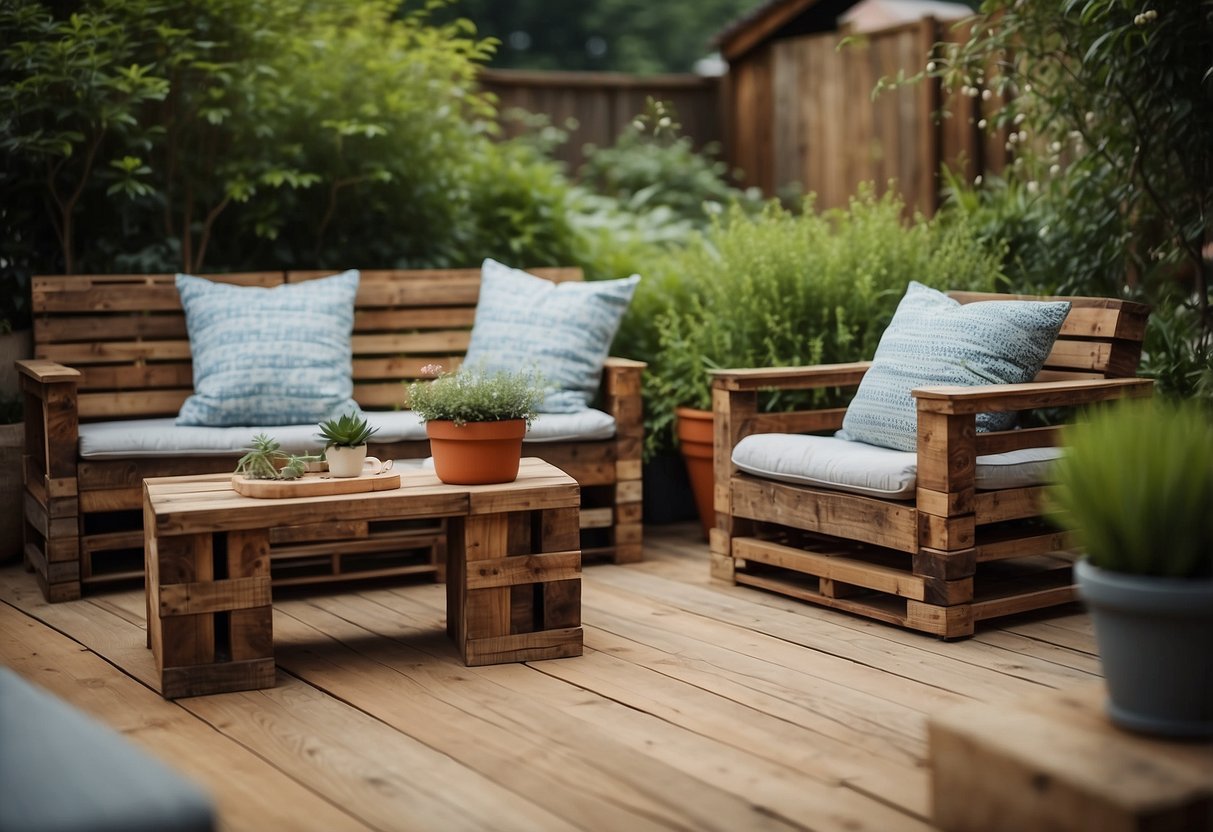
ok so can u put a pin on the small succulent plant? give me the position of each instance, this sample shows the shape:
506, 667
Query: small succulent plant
348, 431
267, 461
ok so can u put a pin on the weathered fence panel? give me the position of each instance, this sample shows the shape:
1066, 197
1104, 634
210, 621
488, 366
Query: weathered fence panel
800, 110
604, 103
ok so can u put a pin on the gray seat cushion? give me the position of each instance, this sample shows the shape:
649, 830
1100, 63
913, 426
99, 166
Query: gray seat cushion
132, 438
846, 465
61, 771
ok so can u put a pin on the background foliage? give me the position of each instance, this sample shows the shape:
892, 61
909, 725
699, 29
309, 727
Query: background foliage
617, 35
787, 289
1110, 108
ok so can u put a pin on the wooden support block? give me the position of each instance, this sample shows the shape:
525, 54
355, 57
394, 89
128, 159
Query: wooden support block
629, 512
946, 622
524, 647
629, 491
947, 593
560, 530
224, 677
628, 553
1057, 763
722, 567
562, 604
946, 533
950, 566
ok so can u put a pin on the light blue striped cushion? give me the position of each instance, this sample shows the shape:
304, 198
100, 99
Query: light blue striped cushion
278, 356
933, 340
560, 330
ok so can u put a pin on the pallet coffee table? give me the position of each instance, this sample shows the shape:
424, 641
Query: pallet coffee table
513, 569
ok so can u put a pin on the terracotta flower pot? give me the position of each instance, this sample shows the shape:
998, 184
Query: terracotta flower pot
695, 439
477, 453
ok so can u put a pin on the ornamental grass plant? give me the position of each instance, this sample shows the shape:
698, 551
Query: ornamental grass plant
1136, 482
472, 395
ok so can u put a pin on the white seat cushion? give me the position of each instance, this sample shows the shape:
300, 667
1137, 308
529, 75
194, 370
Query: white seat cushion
131, 438
845, 465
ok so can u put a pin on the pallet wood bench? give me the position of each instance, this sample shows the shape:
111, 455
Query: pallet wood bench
951, 554
1056, 762
114, 347
513, 569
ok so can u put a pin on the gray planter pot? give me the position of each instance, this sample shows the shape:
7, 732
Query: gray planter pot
1155, 637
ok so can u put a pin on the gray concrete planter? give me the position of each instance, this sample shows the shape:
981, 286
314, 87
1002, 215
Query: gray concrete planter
1155, 637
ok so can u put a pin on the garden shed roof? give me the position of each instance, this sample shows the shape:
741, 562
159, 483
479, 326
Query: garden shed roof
777, 19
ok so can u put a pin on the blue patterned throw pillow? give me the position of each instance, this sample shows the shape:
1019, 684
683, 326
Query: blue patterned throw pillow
560, 330
934, 340
277, 356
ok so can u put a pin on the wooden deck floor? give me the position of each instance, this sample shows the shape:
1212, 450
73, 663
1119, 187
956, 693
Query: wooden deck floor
696, 706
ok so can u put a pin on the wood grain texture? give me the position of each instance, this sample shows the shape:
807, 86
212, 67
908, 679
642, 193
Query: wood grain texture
1055, 762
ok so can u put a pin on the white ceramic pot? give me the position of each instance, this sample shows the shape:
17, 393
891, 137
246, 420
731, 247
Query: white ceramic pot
353, 462
345, 461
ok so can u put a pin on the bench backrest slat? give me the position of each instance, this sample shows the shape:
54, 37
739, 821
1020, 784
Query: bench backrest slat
1100, 338
127, 334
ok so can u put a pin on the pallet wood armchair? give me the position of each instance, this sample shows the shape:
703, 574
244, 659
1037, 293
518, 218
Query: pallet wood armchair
111, 348
949, 554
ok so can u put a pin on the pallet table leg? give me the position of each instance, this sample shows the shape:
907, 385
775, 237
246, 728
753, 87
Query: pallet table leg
514, 586
209, 612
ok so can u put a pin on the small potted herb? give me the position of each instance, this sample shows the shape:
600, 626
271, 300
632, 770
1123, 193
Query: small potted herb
476, 422
1136, 482
345, 441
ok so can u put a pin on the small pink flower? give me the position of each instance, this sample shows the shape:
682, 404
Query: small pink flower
431, 370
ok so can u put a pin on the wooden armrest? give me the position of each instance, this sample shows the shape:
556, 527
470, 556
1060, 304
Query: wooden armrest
45, 371
791, 378
998, 397
613, 363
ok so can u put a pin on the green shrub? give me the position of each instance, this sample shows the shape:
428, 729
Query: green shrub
650, 166
1106, 110
784, 289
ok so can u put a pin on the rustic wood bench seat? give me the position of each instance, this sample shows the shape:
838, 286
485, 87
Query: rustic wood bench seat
113, 349
951, 551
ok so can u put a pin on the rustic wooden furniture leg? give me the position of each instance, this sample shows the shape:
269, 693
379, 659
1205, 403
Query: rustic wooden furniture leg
514, 586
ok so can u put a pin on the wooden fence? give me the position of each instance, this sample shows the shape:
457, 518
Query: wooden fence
604, 104
793, 111
800, 110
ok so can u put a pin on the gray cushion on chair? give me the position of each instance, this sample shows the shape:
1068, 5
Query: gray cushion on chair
845, 465
132, 438
61, 771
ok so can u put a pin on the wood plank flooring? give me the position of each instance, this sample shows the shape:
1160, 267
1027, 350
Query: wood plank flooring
696, 706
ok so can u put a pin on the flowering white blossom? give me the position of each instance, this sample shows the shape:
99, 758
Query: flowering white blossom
930, 66
982, 124
1023, 135
977, 179
1055, 147
1033, 187
986, 95
1044, 231
1055, 169
1019, 118
664, 121
1090, 117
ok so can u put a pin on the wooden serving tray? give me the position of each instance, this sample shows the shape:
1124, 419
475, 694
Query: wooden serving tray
315, 485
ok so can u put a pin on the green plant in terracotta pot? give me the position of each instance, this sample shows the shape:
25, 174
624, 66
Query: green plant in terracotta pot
1136, 482
476, 422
